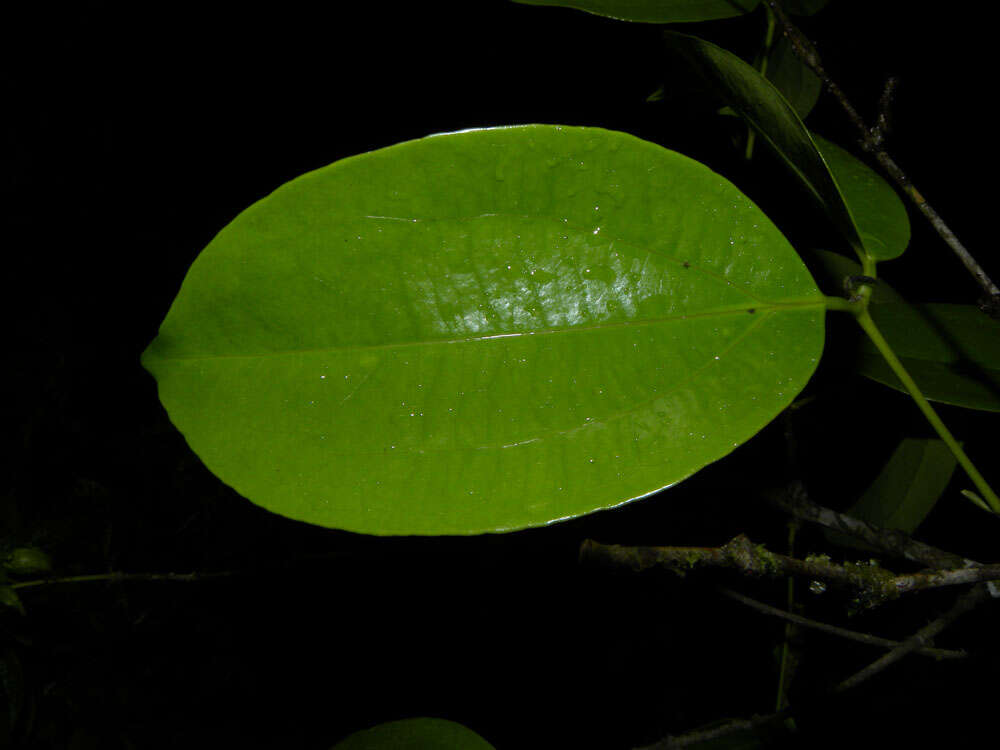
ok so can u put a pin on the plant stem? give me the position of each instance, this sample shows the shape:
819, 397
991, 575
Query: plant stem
843, 305
851, 635
866, 323
874, 146
118, 576
783, 668
764, 59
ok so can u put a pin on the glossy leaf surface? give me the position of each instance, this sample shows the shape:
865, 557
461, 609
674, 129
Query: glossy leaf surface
906, 489
656, 11
415, 734
485, 331
877, 209
951, 351
764, 107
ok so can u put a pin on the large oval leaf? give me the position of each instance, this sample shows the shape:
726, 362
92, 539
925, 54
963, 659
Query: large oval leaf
656, 11
485, 331
415, 734
763, 106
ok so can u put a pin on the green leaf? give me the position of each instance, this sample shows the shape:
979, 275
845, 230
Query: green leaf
951, 351
877, 209
906, 489
26, 561
9, 598
762, 105
656, 11
796, 82
415, 734
485, 331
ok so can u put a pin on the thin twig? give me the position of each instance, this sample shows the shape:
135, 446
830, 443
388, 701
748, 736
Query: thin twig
922, 638
117, 577
704, 735
871, 141
796, 501
852, 635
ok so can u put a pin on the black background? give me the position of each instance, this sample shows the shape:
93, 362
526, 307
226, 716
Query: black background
132, 135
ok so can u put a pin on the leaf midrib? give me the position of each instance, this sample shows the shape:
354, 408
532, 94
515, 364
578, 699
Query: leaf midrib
791, 305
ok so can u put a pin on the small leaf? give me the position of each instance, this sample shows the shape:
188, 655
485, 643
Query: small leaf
976, 500
415, 734
792, 77
761, 104
877, 209
656, 11
908, 486
951, 351
905, 490
25, 561
9, 598
485, 331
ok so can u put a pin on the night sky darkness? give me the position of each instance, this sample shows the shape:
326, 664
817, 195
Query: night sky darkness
131, 135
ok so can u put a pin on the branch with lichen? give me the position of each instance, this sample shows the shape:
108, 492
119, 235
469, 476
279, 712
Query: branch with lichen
873, 583
796, 502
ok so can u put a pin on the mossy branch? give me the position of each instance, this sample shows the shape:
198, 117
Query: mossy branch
872, 583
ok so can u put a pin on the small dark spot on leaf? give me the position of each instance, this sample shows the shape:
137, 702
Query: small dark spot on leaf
686, 264
751, 310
